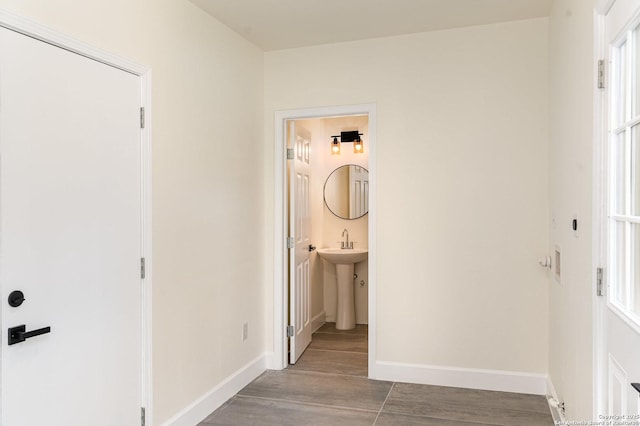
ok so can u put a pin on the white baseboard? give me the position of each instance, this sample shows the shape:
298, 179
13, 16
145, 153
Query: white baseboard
271, 361
209, 402
556, 413
318, 321
496, 380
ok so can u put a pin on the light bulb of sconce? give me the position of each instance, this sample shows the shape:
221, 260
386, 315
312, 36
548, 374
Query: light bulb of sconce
335, 147
358, 147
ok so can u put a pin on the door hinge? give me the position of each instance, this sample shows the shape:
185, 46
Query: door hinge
290, 242
142, 117
290, 331
143, 269
599, 281
143, 419
290, 154
601, 74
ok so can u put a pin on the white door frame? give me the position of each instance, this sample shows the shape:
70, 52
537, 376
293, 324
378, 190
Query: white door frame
599, 212
280, 282
37, 31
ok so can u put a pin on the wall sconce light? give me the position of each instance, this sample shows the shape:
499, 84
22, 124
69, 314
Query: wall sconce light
358, 147
351, 136
335, 146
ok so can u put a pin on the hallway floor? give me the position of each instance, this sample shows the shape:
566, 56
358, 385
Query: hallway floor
328, 386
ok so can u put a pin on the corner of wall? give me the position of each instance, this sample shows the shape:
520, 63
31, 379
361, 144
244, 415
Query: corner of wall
198, 410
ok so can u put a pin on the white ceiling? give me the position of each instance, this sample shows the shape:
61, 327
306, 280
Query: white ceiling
283, 24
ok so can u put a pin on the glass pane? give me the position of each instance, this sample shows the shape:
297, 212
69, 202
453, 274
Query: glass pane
620, 101
618, 183
618, 287
635, 263
635, 173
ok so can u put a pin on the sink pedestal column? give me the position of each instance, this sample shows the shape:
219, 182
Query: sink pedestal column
345, 261
346, 310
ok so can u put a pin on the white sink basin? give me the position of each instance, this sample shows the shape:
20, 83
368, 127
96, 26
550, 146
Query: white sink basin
343, 256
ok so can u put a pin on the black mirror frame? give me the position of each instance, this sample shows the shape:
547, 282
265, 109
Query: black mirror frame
324, 191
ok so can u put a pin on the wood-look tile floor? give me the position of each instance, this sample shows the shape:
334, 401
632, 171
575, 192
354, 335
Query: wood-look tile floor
328, 386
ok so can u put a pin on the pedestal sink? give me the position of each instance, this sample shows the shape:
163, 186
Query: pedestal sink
345, 260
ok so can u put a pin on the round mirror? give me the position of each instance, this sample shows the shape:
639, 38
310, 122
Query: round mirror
346, 192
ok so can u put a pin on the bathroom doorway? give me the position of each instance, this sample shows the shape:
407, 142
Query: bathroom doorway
352, 222
328, 187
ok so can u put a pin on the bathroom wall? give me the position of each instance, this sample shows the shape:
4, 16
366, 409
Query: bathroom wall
462, 166
571, 88
333, 226
326, 227
207, 182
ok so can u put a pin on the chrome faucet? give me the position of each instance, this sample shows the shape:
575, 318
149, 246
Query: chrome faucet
346, 244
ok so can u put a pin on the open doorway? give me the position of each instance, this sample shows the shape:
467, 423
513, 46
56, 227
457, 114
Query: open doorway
305, 130
328, 192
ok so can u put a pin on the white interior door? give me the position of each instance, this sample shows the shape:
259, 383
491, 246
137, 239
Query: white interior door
70, 221
300, 231
621, 307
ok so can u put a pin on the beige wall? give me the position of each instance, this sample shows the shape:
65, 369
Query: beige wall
333, 226
462, 185
207, 174
326, 227
571, 88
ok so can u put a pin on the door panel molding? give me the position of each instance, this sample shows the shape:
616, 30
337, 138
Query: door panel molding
617, 383
30, 28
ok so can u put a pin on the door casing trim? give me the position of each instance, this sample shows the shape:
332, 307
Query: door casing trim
599, 182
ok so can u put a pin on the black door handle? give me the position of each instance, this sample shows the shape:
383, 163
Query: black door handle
312, 247
19, 333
